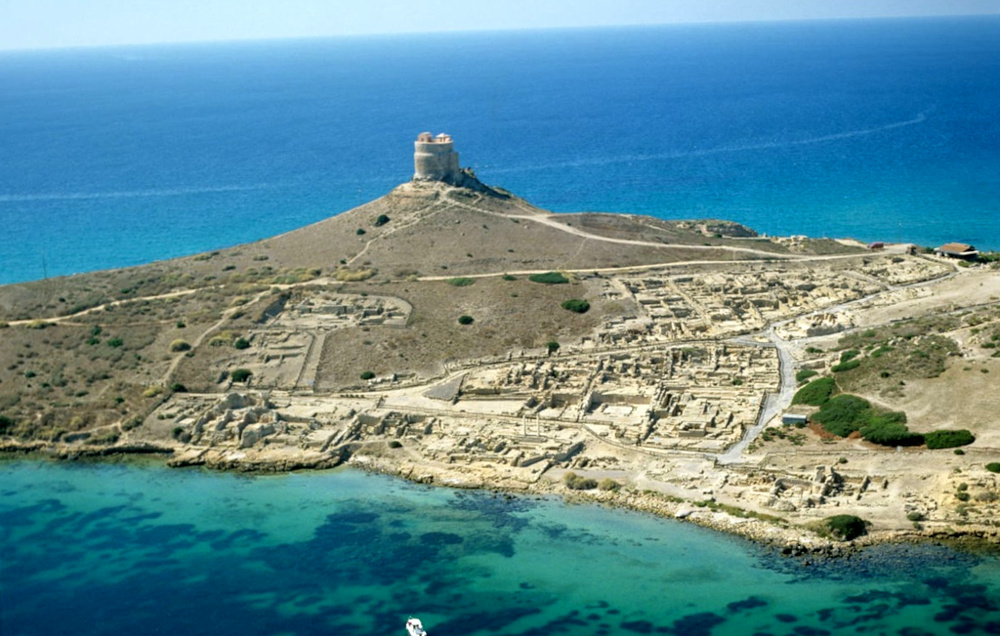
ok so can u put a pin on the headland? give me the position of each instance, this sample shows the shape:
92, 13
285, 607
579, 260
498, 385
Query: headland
452, 333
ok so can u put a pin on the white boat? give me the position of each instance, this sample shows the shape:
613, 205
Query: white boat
414, 627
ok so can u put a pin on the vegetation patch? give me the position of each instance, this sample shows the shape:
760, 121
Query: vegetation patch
993, 467
241, 375
152, 391
845, 414
180, 345
949, 439
381, 220
576, 482
348, 275
888, 428
843, 527
367, 375
816, 393
549, 278
576, 305
461, 282
850, 365
850, 354
842, 415
609, 484
466, 320
804, 374
897, 353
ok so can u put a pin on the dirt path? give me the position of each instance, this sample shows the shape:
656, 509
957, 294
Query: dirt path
104, 306
550, 220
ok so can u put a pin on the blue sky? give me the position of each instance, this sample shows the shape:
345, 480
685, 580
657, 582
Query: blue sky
32, 24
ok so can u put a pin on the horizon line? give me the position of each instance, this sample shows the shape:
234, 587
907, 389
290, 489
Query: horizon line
379, 34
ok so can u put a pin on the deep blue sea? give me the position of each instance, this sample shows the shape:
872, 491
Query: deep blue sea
879, 129
91, 549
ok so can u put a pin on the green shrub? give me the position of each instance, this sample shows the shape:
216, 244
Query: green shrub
915, 516
949, 439
889, 429
508, 277
843, 414
804, 375
849, 355
152, 391
576, 305
845, 527
846, 366
360, 231
367, 375
180, 345
993, 467
241, 343
816, 393
465, 320
549, 278
552, 346
115, 342
104, 437
177, 387
6, 424
241, 375
461, 282
381, 220
576, 482
609, 484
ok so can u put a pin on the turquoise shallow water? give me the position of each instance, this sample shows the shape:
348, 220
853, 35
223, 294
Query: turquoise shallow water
112, 549
880, 130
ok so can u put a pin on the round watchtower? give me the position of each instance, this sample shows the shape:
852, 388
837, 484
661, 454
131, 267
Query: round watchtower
434, 158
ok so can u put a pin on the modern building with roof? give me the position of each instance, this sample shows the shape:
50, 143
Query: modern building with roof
957, 250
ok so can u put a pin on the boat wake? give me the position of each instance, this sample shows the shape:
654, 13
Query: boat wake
128, 194
765, 145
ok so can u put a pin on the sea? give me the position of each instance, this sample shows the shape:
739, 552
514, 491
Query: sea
883, 130
99, 549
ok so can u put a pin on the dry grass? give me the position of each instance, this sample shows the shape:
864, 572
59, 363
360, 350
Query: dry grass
508, 315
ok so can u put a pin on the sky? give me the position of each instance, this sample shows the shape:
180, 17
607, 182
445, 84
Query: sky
39, 24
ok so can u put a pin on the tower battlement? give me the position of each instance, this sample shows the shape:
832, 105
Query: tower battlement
434, 158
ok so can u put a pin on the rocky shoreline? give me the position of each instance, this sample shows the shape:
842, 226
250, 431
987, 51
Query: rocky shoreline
784, 538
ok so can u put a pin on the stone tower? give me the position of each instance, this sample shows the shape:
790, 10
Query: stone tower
434, 158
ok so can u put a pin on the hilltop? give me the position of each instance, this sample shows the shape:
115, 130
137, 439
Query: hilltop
452, 332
